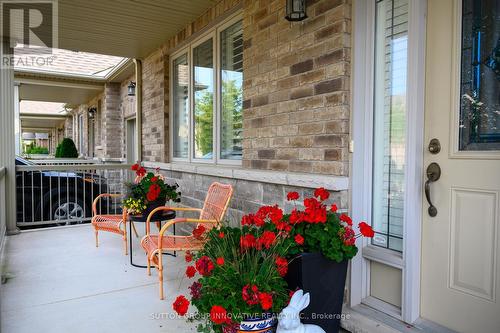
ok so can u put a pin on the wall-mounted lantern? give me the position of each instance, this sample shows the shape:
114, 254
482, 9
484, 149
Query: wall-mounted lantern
296, 10
131, 88
92, 111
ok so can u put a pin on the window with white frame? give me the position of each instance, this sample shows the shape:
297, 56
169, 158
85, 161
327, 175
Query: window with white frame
206, 97
388, 81
389, 127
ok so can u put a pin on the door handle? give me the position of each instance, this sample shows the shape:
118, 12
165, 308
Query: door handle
433, 174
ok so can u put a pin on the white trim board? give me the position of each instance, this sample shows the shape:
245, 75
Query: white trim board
307, 180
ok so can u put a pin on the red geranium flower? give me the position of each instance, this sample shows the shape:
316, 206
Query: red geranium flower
154, 179
195, 290
218, 315
141, 172
247, 241
220, 261
153, 193
347, 235
199, 231
275, 214
221, 234
190, 271
258, 221
292, 196
135, 167
247, 220
250, 294
181, 305
346, 219
282, 225
266, 301
189, 256
266, 239
322, 194
282, 265
315, 212
204, 266
299, 239
366, 230
152, 196
296, 216
252, 219
334, 208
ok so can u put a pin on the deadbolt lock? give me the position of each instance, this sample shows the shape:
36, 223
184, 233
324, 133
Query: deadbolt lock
434, 146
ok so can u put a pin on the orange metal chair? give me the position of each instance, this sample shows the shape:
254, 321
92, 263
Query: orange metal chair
212, 213
110, 222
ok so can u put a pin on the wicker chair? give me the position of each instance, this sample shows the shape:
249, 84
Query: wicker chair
212, 213
110, 222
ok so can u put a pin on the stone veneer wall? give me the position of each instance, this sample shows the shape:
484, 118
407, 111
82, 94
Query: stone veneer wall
251, 190
296, 87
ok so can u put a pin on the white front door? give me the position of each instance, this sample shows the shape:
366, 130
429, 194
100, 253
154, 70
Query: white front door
460, 252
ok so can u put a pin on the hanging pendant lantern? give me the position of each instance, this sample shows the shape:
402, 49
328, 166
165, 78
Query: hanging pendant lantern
296, 10
131, 88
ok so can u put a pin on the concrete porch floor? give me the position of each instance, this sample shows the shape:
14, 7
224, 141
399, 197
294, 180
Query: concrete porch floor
62, 283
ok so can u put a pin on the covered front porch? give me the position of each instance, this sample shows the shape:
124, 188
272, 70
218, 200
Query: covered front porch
369, 101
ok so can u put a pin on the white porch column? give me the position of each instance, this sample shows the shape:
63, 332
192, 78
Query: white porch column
8, 141
17, 120
138, 108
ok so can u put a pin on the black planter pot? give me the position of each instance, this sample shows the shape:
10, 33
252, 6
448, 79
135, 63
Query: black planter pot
150, 207
324, 279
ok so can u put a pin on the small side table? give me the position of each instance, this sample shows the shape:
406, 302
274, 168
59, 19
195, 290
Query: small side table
159, 217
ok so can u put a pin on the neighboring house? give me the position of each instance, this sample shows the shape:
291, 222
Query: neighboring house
41, 124
348, 99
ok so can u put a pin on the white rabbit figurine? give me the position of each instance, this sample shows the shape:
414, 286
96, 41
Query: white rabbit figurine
289, 318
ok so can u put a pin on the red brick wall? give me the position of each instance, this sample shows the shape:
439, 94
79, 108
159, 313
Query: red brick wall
154, 117
296, 88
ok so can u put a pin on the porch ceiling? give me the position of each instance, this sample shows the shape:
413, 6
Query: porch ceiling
33, 121
125, 28
56, 89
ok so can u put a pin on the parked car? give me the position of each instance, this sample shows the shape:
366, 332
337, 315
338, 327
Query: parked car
56, 195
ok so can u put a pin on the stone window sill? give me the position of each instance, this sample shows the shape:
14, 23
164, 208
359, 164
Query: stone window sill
332, 183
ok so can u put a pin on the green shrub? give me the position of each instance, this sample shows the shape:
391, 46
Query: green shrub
32, 149
66, 149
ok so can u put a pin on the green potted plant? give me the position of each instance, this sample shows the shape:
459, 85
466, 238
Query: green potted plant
148, 191
254, 269
239, 282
